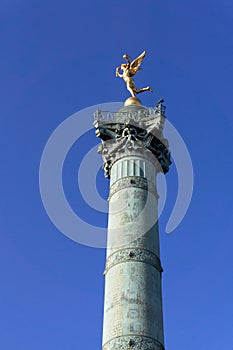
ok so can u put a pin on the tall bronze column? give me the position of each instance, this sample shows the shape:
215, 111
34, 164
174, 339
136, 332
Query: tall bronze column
134, 151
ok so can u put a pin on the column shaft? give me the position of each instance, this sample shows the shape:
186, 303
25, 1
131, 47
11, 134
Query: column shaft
133, 298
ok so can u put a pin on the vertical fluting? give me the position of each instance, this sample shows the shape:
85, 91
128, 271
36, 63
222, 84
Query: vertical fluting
133, 299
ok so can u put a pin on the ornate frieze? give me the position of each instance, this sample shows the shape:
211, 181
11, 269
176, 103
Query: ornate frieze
133, 132
133, 254
133, 342
125, 146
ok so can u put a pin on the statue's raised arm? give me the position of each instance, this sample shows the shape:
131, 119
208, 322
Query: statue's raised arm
129, 70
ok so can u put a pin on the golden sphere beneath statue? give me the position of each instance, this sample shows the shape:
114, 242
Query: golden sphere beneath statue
132, 101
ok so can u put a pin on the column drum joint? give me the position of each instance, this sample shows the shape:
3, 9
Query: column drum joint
133, 342
133, 255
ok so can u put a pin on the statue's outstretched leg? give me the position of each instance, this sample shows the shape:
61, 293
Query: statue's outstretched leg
148, 88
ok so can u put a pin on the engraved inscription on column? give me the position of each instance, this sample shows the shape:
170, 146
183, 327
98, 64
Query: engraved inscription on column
133, 181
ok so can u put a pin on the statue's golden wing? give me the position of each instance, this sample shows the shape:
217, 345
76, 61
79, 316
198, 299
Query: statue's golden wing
135, 65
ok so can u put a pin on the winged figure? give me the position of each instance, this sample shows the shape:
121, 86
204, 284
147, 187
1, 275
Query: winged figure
129, 69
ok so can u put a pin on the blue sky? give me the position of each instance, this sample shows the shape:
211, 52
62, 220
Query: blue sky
58, 57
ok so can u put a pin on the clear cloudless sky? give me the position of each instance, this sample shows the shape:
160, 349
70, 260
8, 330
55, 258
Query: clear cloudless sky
58, 57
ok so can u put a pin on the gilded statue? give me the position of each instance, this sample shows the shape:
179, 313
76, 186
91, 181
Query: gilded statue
129, 69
